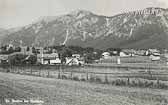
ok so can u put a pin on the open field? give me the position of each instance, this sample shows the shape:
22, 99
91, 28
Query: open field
65, 92
155, 76
112, 70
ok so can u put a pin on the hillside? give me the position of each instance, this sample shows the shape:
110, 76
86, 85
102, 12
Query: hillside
146, 28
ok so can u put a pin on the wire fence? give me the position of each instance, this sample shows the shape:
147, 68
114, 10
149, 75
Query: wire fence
87, 71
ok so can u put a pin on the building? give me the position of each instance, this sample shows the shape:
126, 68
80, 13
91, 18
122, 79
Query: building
9, 46
155, 57
76, 56
106, 55
3, 59
52, 58
123, 54
140, 52
152, 52
73, 61
127, 52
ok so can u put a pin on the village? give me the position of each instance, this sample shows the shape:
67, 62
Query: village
83, 52
78, 56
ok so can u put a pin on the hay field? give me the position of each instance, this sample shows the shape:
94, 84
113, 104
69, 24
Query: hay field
65, 92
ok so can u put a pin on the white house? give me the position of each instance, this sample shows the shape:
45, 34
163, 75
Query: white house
55, 61
155, 57
76, 56
52, 58
106, 55
123, 54
73, 61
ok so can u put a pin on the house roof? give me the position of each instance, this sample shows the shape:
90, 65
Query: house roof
105, 53
128, 50
153, 50
48, 56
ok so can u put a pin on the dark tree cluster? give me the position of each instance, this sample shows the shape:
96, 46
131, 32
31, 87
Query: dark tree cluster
10, 50
90, 54
21, 59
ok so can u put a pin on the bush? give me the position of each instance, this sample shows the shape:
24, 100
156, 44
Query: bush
19, 58
134, 84
162, 86
98, 80
140, 84
59, 76
106, 79
7, 70
83, 79
64, 77
92, 79
76, 78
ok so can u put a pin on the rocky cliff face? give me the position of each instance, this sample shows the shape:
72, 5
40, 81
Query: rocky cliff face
146, 28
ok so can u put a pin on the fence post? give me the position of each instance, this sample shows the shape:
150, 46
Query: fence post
40, 72
71, 75
59, 74
158, 82
87, 76
31, 70
106, 79
128, 81
48, 75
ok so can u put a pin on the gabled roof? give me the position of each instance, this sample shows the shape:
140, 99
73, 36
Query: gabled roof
48, 56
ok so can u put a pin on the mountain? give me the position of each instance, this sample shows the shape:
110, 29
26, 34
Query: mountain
141, 29
3, 32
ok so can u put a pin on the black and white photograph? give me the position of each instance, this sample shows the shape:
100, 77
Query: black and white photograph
83, 52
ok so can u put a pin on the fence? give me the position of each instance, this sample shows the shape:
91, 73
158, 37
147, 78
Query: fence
90, 73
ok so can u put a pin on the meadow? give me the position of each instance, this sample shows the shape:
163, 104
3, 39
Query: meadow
127, 74
67, 92
95, 84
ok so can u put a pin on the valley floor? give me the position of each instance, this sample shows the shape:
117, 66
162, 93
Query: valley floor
64, 92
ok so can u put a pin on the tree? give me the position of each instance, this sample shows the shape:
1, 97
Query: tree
28, 49
32, 59
10, 50
17, 49
20, 59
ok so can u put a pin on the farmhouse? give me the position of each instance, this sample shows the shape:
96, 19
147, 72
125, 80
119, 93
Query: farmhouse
76, 56
26, 50
155, 56
106, 55
9, 46
127, 52
153, 52
73, 61
52, 58
140, 52
3, 59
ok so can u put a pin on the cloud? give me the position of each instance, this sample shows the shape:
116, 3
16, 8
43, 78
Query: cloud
21, 12
164, 2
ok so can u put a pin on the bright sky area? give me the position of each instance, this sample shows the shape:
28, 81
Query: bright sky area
16, 13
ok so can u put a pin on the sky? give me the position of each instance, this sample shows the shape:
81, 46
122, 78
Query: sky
17, 13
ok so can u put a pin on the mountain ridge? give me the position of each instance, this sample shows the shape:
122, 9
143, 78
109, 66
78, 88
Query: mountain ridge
135, 29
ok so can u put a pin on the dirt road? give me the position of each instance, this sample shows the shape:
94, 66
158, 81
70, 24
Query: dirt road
66, 92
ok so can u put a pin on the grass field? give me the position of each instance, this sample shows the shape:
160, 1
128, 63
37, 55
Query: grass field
66, 92
93, 84
147, 77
